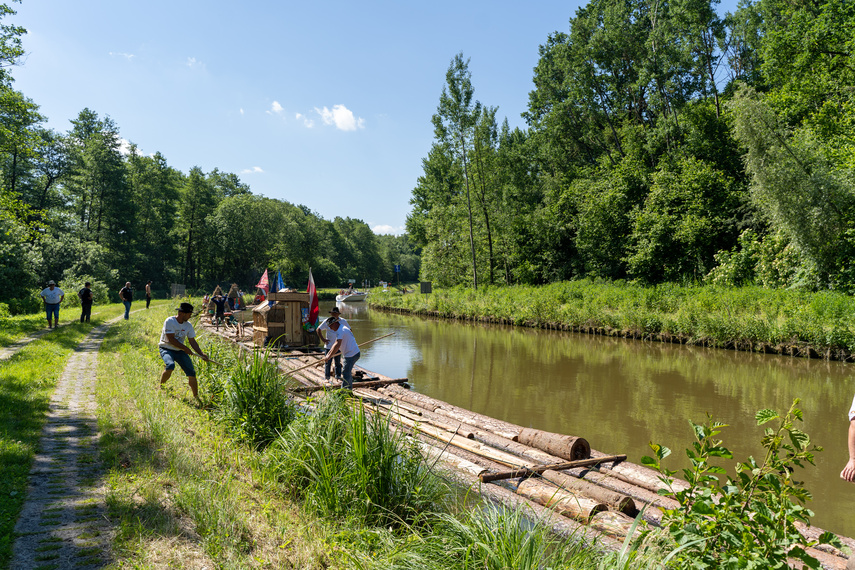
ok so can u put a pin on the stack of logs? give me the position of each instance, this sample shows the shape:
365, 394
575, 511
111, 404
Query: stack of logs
584, 495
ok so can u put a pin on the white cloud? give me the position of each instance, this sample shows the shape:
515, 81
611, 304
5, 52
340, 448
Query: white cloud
381, 229
275, 109
307, 122
253, 170
193, 62
125, 147
341, 117
241, 110
128, 56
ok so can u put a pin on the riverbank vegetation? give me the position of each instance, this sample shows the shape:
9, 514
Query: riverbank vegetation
337, 489
746, 318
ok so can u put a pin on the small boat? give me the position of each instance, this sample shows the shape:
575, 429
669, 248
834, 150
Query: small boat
350, 296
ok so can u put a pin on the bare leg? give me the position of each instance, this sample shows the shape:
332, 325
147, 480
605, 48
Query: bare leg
194, 387
164, 377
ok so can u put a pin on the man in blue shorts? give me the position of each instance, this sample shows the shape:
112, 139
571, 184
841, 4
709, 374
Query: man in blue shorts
52, 296
173, 350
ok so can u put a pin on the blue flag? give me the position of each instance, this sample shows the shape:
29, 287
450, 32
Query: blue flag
277, 286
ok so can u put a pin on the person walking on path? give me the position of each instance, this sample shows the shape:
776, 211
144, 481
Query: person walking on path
345, 342
127, 296
52, 297
86, 298
173, 350
147, 294
328, 341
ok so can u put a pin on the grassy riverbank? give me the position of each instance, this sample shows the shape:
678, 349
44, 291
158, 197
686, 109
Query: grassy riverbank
746, 318
192, 488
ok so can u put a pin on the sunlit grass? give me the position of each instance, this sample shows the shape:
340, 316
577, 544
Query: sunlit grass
711, 314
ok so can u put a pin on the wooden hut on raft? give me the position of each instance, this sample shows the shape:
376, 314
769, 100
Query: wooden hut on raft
280, 323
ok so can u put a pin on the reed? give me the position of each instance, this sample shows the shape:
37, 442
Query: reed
711, 314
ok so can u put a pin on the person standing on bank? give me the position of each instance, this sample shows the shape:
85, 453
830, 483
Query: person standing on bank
52, 297
173, 350
86, 299
848, 473
345, 343
127, 296
328, 341
147, 294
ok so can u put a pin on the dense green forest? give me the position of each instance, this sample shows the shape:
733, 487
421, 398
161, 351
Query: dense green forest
81, 205
664, 142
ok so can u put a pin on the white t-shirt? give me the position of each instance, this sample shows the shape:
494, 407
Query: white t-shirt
52, 297
180, 330
329, 333
348, 346
852, 410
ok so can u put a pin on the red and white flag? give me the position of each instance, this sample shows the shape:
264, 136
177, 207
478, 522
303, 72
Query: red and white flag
313, 301
263, 284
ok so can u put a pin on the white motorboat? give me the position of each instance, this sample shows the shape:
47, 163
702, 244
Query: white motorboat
351, 296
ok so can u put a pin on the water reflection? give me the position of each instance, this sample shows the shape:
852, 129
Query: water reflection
619, 394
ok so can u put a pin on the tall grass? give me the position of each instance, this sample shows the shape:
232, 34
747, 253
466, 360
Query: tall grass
823, 320
249, 395
345, 464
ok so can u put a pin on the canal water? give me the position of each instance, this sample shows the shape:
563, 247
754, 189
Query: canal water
620, 394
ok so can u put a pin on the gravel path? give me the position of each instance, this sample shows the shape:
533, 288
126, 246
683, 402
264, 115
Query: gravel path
8, 351
63, 522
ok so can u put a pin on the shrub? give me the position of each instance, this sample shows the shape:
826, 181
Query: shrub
749, 522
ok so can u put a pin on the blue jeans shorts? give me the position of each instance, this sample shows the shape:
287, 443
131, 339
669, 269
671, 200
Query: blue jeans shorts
171, 357
52, 309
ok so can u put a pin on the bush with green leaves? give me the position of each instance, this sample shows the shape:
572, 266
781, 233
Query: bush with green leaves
72, 284
749, 521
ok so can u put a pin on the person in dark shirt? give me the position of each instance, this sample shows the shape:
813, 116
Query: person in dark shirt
127, 295
220, 314
86, 299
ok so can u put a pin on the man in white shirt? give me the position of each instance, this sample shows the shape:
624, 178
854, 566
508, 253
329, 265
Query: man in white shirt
52, 296
173, 350
328, 341
345, 343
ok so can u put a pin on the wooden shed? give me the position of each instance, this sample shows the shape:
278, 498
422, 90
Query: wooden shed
282, 322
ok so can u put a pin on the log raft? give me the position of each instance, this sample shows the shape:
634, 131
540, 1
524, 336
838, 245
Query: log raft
590, 503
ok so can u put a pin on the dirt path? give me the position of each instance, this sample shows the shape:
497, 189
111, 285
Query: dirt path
63, 522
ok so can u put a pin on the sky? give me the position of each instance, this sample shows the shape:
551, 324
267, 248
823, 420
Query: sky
327, 105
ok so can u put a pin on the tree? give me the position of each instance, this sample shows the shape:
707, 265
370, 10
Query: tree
454, 124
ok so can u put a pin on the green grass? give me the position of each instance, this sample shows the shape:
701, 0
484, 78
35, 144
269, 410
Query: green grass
720, 316
189, 488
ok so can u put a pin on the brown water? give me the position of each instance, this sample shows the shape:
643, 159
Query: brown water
620, 394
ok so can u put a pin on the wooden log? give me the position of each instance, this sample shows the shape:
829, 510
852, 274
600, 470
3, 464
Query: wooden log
490, 477
562, 526
568, 504
812, 533
511, 446
505, 429
565, 446
638, 475
365, 384
614, 523
394, 411
615, 501
469, 445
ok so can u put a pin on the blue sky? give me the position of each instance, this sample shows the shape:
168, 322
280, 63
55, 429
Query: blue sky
322, 104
